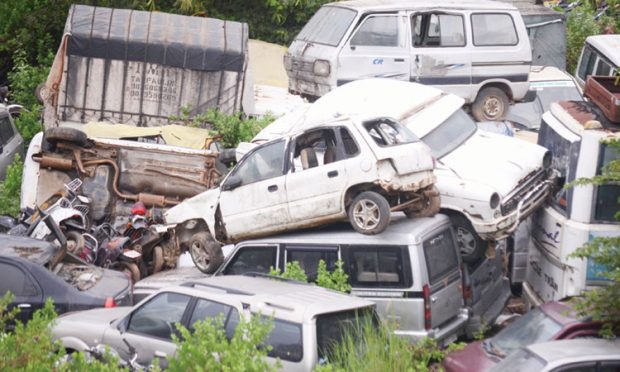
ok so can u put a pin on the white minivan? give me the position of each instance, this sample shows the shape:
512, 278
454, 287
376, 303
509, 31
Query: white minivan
600, 56
478, 50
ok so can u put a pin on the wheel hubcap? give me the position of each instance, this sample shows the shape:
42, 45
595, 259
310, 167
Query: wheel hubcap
465, 241
199, 254
493, 106
366, 214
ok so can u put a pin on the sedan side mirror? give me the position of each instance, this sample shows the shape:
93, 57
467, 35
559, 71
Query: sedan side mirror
231, 183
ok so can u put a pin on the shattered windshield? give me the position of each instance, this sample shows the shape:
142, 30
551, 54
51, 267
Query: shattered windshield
450, 134
531, 328
327, 26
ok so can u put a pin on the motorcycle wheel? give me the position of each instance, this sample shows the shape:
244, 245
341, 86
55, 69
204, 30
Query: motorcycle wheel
157, 260
133, 270
75, 242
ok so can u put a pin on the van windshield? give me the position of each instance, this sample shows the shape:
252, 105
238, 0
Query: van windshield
327, 26
450, 134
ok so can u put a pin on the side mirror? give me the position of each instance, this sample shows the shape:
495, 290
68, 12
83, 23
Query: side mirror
231, 183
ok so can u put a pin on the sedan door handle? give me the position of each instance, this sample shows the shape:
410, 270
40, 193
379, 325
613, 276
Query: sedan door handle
272, 188
24, 306
332, 174
399, 60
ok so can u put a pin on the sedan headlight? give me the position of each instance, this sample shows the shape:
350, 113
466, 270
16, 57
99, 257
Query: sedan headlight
494, 202
547, 159
321, 67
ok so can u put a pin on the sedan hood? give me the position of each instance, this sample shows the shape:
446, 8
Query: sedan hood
494, 160
87, 325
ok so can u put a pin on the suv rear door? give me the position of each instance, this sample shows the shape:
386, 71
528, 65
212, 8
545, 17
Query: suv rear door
444, 276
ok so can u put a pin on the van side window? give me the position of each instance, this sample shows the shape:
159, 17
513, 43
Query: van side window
587, 62
603, 68
379, 267
490, 29
309, 259
377, 31
437, 30
441, 255
252, 259
606, 195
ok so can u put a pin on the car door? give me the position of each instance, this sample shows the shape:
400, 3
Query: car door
438, 55
317, 177
11, 143
14, 278
253, 197
149, 328
377, 48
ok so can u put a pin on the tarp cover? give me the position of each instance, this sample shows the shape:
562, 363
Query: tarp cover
194, 43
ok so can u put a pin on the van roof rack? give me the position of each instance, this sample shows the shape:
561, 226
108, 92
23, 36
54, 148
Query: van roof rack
194, 284
254, 274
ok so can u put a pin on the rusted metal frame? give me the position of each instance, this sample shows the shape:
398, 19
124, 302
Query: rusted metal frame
66, 72
106, 70
142, 85
88, 60
407, 204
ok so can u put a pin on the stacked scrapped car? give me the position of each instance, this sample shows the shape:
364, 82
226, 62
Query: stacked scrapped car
366, 166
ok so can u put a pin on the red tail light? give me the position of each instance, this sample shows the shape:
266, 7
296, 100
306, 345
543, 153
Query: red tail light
467, 293
426, 292
109, 302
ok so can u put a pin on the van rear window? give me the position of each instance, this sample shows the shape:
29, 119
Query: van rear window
327, 26
385, 267
441, 256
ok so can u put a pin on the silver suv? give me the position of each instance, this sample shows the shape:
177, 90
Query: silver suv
306, 318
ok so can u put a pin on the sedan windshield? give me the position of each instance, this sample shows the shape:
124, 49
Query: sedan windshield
531, 328
450, 134
327, 26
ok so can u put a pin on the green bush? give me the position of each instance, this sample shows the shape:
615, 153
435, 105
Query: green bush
232, 129
378, 349
10, 189
580, 24
208, 349
292, 271
25, 78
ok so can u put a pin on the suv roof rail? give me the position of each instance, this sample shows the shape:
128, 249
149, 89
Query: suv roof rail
254, 274
194, 284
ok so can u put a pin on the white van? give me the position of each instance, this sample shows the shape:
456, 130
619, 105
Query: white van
411, 270
478, 50
600, 56
575, 215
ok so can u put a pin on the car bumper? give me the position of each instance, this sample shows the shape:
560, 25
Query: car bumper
444, 335
504, 226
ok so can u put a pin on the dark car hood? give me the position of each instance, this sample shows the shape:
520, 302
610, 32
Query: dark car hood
33, 250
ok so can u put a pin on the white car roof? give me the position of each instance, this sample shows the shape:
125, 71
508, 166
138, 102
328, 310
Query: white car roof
386, 5
371, 98
284, 299
609, 45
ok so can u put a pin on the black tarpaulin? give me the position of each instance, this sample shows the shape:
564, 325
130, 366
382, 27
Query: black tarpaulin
195, 43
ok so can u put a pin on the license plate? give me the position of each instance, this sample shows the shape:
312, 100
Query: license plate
132, 254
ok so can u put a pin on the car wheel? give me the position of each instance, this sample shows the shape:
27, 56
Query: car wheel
471, 246
431, 203
369, 213
490, 105
133, 270
75, 242
205, 252
157, 259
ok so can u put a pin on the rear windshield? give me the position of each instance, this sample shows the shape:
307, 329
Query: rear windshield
441, 256
327, 26
531, 328
332, 329
450, 134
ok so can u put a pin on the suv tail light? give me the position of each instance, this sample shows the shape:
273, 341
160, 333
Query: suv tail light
426, 292
109, 302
